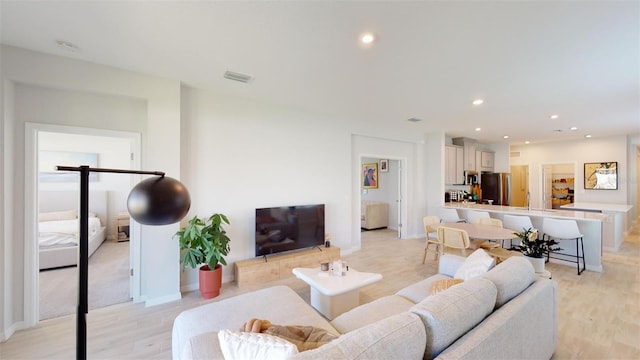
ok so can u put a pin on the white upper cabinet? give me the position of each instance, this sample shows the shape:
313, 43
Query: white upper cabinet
469, 146
454, 159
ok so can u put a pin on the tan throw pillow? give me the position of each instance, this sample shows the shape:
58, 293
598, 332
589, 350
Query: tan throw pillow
442, 285
303, 337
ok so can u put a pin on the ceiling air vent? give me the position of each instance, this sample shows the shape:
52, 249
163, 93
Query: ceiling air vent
414, 120
237, 76
514, 154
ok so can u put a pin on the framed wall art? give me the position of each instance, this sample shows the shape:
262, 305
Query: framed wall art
384, 165
601, 176
370, 176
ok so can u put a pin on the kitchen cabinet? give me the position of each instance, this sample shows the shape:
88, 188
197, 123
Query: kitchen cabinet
485, 161
469, 148
454, 165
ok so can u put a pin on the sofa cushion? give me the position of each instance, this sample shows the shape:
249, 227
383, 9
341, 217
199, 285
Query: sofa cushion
400, 336
511, 277
249, 345
420, 290
476, 264
450, 314
371, 312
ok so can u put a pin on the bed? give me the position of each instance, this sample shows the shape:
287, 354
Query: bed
58, 226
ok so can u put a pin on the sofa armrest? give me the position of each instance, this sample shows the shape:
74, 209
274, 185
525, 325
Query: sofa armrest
449, 264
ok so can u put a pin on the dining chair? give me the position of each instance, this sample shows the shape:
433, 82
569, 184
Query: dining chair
565, 230
449, 215
517, 223
474, 215
491, 222
453, 238
430, 228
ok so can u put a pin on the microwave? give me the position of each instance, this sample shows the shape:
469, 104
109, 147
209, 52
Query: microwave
471, 177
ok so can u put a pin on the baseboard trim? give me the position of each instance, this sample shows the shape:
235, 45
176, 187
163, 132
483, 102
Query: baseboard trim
7, 333
163, 299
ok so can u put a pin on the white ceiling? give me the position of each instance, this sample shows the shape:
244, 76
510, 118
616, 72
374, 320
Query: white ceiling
527, 60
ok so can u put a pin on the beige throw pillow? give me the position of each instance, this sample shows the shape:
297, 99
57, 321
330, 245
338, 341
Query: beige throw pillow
442, 285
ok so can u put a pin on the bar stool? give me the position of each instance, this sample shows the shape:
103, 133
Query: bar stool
565, 230
517, 223
449, 215
474, 215
430, 228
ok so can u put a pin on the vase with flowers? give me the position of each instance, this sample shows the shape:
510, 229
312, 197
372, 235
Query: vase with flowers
535, 249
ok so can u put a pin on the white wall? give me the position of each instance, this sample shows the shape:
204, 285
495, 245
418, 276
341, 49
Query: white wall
577, 153
239, 155
161, 151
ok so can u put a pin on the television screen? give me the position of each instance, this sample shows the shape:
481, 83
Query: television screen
289, 228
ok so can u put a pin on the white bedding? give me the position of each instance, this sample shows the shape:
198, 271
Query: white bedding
64, 232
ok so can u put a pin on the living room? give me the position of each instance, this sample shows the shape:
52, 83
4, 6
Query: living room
236, 153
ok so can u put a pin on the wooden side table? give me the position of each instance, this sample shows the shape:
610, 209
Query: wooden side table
122, 226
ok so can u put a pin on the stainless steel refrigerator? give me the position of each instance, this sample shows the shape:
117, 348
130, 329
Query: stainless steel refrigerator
496, 187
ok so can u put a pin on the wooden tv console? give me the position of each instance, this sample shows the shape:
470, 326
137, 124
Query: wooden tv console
279, 266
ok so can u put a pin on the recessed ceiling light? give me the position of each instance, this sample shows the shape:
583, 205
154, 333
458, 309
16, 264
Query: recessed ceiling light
477, 102
588, 136
553, 117
527, 142
573, 128
478, 129
367, 38
65, 45
505, 137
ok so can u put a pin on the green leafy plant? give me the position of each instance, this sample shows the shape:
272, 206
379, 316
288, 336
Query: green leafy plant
204, 242
531, 246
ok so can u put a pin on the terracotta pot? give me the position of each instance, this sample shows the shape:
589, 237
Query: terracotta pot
210, 281
538, 263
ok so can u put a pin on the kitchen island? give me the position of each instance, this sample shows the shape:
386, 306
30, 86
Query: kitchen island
620, 222
595, 227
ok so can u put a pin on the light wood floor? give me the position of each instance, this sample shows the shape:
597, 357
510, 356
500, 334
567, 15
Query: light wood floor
599, 312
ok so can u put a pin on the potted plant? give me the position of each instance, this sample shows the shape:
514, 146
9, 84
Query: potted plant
535, 249
204, 244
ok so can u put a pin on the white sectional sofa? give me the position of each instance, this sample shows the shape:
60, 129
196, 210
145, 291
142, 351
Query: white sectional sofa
374, 215
506, 313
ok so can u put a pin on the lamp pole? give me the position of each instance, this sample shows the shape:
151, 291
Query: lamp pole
83, 245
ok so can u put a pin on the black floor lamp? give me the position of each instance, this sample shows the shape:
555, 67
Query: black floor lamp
155, 201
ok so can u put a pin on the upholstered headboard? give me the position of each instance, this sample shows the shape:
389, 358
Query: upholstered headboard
60, 200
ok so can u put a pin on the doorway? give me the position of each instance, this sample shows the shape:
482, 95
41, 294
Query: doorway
557, 185
52, 138
520, 186
389, 190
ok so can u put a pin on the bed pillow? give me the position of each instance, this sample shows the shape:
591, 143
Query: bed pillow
58, 215
476, 264
248, 345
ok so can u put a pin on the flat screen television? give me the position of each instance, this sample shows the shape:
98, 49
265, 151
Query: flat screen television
287, 228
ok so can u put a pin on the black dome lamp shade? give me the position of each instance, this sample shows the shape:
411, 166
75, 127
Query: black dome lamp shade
158, 201
155, 201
